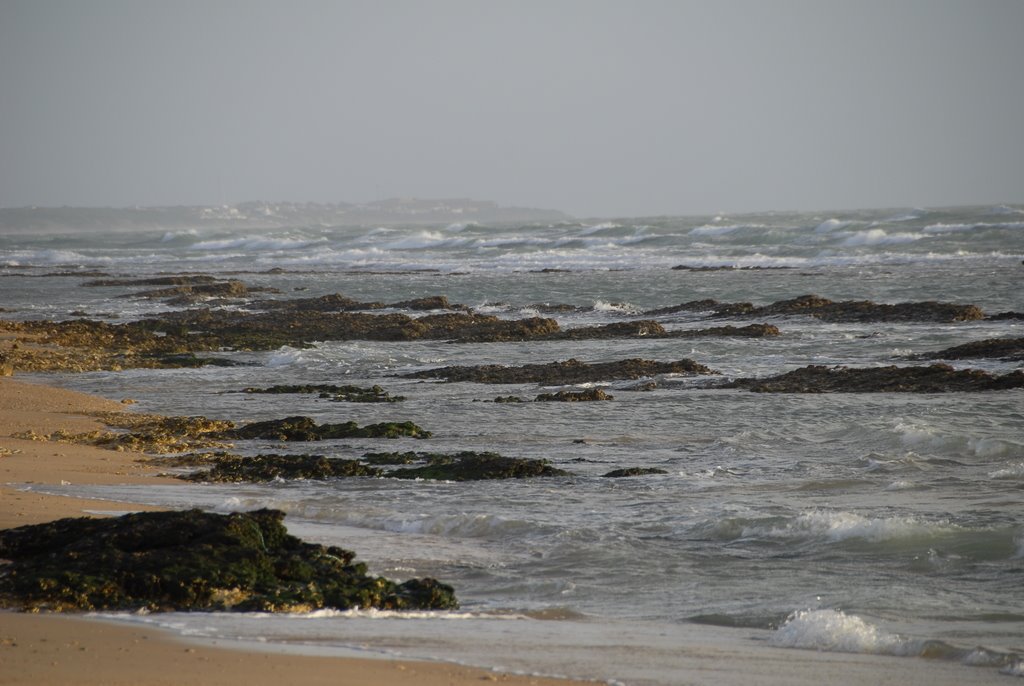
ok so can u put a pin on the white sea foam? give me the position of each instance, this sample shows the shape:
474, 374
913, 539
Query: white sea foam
287, 357
172, 235
20, 258
836, 526
1011, 473
957, 228
834, 630
872, 237
1015, 668
257, 243
626, 308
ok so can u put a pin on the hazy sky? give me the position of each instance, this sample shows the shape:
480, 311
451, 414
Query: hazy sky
596, 108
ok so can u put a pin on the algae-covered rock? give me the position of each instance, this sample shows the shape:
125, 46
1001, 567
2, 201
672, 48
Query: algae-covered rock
936, 378
574, 396
633, 471
305, 429
471, 466
235, 469
832, 311
343, 393
1009, 349
192, 560
562, 373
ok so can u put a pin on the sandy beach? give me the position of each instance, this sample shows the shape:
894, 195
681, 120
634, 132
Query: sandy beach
59, 649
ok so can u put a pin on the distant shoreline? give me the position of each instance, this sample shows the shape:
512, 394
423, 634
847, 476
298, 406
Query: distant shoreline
270, 215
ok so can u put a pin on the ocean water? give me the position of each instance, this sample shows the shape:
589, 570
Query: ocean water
888, 524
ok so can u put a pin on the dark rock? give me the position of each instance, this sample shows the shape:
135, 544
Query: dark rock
616, 330
407, 457
554, 308
561, 373
469, 466
508, 399
574, 396
191, 360
828, 310
1004, 316
305, 429
192, 561
1010, 349
707, 305
633, 471
936, 378
748, 331
867, 311
235, 469
434, 302
351, 394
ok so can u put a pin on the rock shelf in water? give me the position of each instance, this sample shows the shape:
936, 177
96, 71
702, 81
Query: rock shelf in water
350, 394
832, 311
261, 468
193, 561
570, 371
936, 378
305, 429
462, 466
1008, 349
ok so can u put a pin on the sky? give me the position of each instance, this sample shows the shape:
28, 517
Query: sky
596, 108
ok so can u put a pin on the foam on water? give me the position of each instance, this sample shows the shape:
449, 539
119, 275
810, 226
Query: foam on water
873, 237
841, 526
958, 228
1013, 472
257, 243
834, 630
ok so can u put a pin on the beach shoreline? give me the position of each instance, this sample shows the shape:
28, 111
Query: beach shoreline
51, 649
43, 649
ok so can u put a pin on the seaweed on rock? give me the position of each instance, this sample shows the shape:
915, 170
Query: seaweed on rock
236, 469
305, 429
935, 378
344, 393
471, 466
570, 371
192, 560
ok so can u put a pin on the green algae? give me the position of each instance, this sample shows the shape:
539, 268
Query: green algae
189, 561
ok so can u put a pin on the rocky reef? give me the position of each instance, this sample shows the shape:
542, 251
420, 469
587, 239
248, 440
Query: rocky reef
187, 337
472, 466
832, 311
336, 393
192, 561
574, 396
227, 468
568, 372
461, 466
1008, 349
633, 471
936, 378
300, 428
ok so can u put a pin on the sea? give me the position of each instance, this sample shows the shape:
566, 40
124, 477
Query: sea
887, 524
